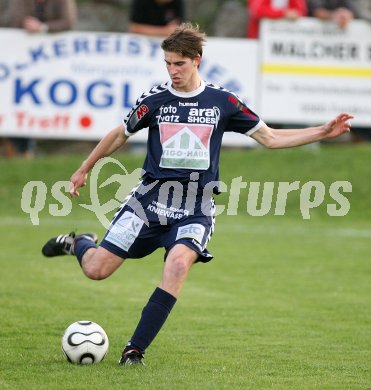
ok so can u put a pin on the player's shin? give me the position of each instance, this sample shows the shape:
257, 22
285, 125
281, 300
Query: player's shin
153, 317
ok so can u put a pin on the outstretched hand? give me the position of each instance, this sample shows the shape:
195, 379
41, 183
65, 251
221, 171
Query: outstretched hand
338, 126
78, 179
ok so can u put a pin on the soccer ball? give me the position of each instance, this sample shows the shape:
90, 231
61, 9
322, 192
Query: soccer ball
84, 342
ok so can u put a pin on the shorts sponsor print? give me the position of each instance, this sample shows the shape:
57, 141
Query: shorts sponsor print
164, 225
193, 230
125, 230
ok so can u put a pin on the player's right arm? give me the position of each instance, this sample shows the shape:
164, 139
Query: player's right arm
109, 144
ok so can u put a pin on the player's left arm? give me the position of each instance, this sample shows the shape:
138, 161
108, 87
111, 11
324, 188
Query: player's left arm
288, 138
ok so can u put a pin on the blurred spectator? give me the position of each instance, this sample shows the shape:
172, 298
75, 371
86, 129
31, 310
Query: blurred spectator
37, 16
340, 11
360, 134
40, 16
155, 17
4, 18
365, 9
272, 9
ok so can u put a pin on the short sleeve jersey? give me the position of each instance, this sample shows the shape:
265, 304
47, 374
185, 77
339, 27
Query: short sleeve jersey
185, 130
155, 13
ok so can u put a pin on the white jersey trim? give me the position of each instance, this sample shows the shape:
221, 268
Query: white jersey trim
194, 93
127, 133
255, 128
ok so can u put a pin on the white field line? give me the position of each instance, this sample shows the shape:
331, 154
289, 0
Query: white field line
249, 227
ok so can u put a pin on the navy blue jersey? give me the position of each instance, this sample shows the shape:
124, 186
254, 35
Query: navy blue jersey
186, 130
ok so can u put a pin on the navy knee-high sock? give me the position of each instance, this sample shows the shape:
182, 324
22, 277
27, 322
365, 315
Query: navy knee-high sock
153, 317
81, 246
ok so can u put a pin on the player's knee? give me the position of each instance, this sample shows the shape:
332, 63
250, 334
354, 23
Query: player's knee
178, 266
100, 265
97, 270
95, 273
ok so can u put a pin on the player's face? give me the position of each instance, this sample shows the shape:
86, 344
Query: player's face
183, 71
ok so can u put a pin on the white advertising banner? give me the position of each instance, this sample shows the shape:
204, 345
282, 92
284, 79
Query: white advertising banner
313, 70
79, 85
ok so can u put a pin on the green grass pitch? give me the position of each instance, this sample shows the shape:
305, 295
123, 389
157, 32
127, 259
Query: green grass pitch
285, 304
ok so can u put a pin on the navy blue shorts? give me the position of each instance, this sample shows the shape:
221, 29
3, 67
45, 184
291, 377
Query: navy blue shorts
160, 215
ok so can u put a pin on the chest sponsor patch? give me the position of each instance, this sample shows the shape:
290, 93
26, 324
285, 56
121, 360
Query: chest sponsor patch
185, 145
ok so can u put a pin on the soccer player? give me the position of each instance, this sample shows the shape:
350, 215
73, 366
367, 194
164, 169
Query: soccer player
173, 205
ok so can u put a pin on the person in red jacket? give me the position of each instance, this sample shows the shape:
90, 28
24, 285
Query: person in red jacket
272, 9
